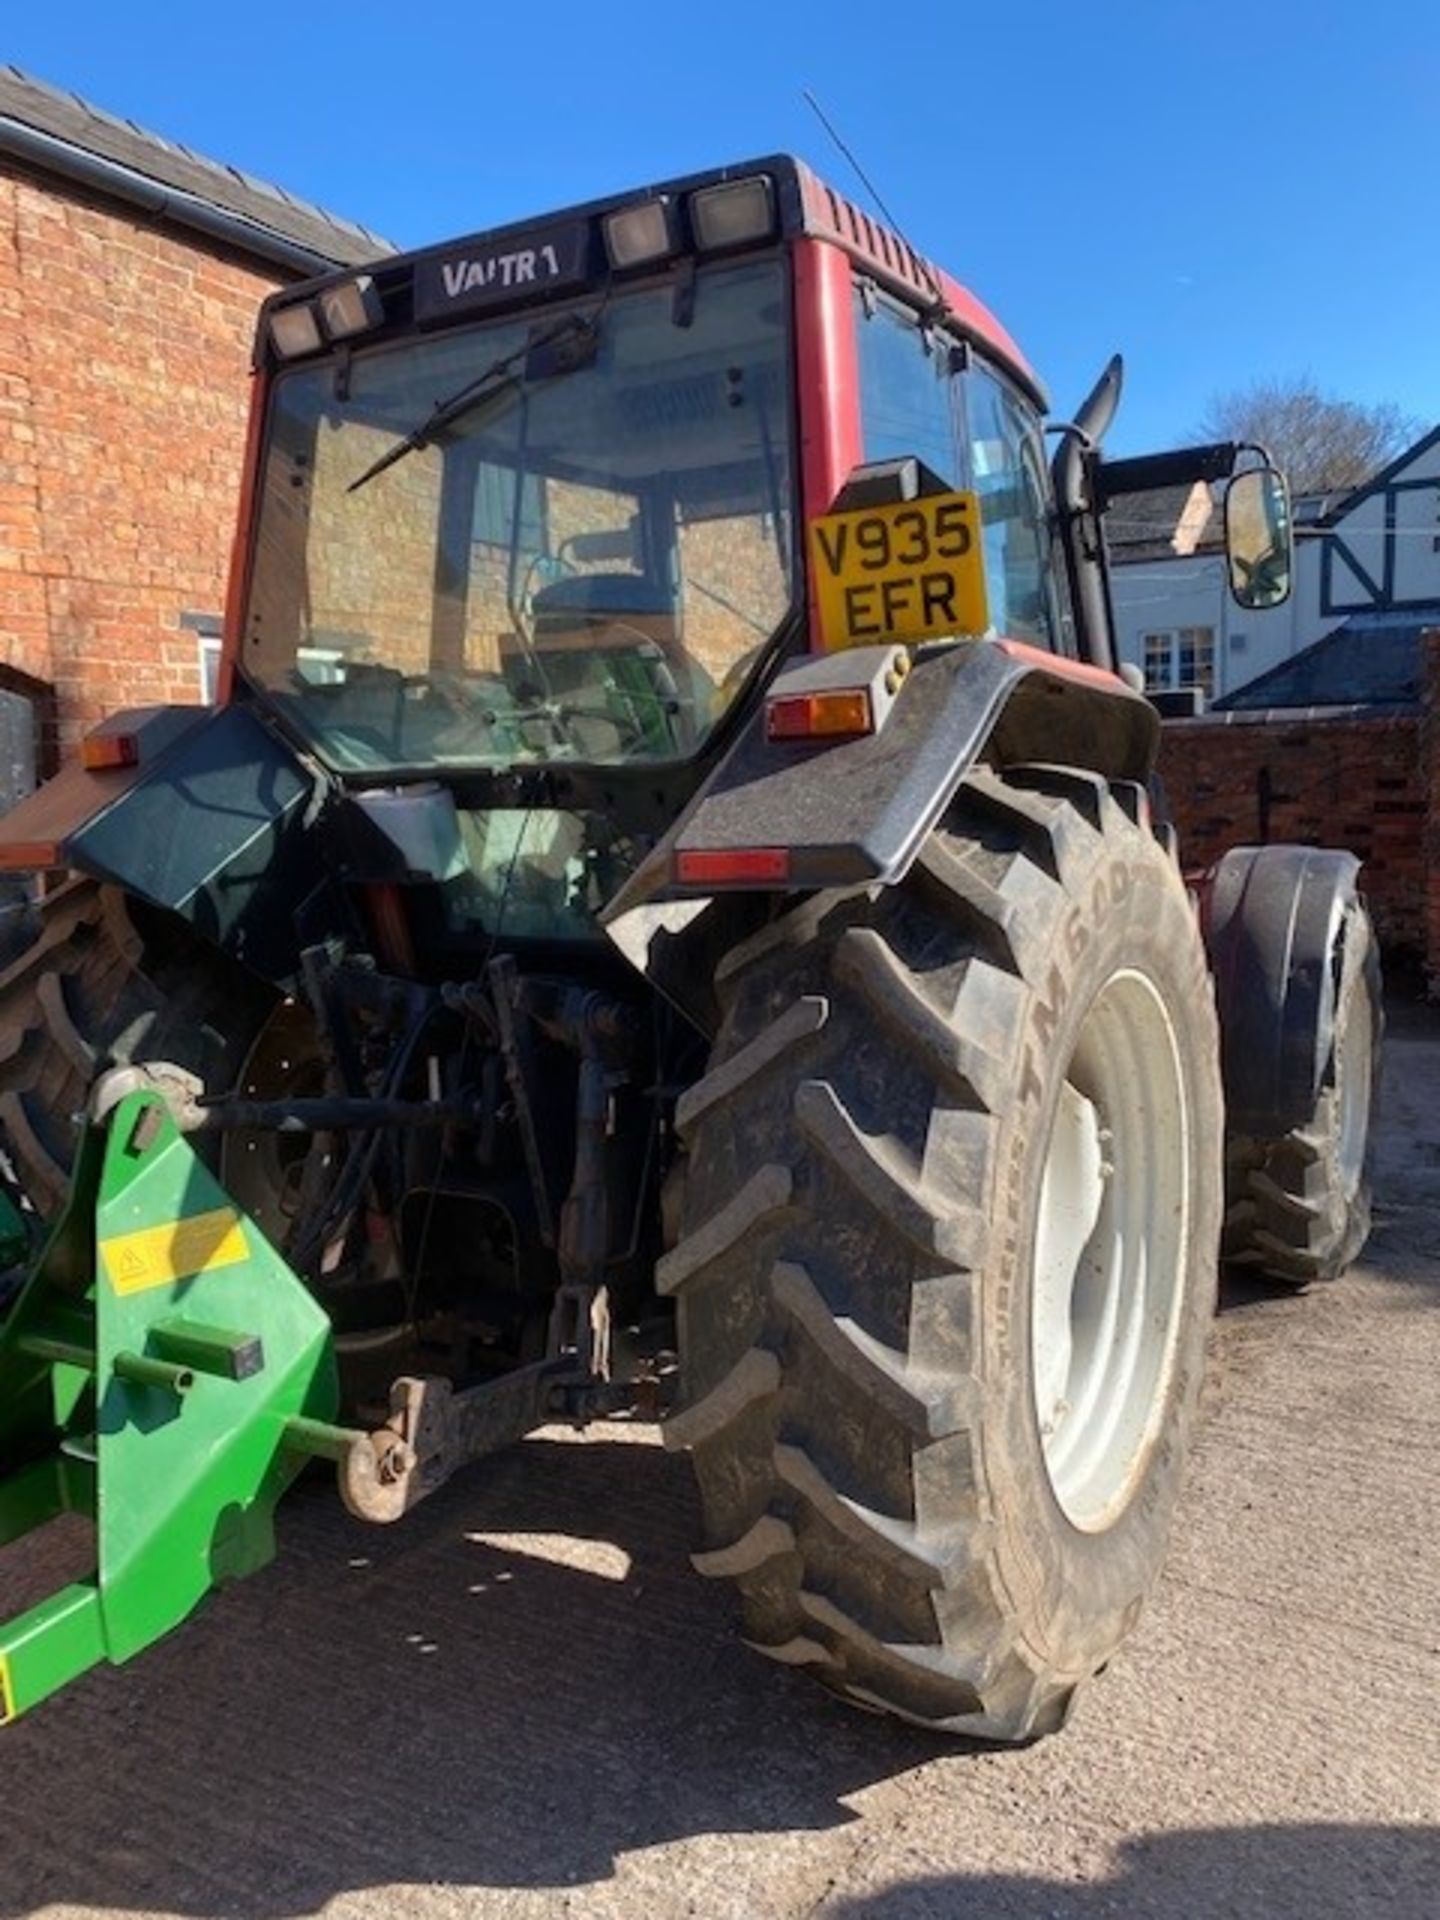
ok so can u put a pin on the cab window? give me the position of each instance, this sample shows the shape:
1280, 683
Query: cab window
1004, 466
906, 405
973, 431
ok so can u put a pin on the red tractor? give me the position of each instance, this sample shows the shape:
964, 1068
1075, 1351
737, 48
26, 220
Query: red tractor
675, 865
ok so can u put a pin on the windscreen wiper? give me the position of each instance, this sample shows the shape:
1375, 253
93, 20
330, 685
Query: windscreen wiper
573, 341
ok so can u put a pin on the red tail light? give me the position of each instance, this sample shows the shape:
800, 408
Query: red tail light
732, 866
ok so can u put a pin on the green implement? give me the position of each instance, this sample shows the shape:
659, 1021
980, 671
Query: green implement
163, 1374
14, 1240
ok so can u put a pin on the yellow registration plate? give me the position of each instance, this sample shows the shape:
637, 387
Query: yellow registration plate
909, 572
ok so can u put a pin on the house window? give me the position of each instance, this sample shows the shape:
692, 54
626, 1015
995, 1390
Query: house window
206, 628
209, 646
29, 734
1181, 657
321, 666
500, 518
1157, 660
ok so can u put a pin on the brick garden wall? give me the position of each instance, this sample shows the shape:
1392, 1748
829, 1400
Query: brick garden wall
123, 387
1368, 782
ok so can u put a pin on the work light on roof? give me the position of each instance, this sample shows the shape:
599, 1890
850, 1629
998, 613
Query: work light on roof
733, 215
635, 235
294, 330
354, 306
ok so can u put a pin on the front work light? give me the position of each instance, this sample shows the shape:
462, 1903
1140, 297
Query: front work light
294, 330
353, 307
637, 234
733, 215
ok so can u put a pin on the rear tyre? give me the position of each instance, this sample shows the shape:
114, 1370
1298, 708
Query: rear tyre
95, 988
1298, 1203
948, 1259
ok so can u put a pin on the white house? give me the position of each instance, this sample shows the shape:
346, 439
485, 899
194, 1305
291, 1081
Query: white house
1373, 552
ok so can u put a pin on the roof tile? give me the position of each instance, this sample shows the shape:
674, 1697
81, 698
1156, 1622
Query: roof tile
75, 122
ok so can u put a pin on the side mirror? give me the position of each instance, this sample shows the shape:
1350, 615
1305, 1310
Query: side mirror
1259, 543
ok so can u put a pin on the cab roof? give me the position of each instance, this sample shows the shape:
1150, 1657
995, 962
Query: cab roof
806, 205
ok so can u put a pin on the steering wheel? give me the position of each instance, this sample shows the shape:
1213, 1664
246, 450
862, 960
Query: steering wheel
542, 570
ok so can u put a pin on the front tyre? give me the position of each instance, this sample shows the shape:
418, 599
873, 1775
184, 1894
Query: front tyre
948, 1258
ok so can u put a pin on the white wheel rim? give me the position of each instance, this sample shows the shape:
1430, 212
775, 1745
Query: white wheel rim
1110, 1242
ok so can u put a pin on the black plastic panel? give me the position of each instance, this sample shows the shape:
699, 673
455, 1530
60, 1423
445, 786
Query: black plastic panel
214, 831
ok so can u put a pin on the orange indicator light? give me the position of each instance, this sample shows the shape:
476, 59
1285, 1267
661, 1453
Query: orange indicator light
820, 716
102, 751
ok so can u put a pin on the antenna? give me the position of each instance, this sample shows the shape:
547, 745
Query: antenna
942, 305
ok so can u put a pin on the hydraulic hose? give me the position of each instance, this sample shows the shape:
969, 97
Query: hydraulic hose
360, 1161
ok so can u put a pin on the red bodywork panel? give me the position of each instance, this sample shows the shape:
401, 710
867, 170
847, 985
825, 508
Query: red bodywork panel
882, 253
827, 373
1082, 670
827, 382
234, 630
34, 831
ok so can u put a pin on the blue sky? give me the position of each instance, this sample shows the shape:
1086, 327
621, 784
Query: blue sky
1223, 191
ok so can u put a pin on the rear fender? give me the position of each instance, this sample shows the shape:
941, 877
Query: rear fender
210, 823
855, 814
1274, 920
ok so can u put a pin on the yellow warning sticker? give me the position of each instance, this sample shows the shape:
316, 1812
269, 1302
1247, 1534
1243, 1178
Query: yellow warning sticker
7, 1692
159, 1256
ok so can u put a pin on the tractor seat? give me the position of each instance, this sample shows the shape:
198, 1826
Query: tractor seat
612, 640
576, 610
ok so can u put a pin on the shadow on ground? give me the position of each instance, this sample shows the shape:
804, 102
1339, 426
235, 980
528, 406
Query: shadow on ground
523, 1680
1355, 1872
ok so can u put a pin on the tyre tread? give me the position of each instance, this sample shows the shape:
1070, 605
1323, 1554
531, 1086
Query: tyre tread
1285, 1213
818, 1469
993, 865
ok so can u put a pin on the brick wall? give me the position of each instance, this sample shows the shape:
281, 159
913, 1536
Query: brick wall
1370, 783
1429, 745
123, 386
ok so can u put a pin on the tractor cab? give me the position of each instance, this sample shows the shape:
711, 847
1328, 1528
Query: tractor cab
528, 512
